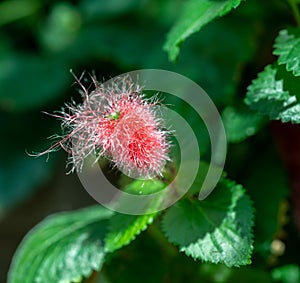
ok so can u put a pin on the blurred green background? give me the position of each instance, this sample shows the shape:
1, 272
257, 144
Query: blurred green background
40, 41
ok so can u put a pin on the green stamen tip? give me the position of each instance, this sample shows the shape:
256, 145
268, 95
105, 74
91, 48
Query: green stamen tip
114, 115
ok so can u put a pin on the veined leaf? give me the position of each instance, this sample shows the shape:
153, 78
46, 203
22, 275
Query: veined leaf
65, 247
266, 94
287, 47
217, 230
272, 94
124, 229
194, 16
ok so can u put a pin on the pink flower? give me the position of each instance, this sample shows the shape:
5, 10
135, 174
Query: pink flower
116, 122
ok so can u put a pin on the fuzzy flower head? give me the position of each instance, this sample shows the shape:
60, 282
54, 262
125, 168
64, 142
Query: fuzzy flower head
117, 122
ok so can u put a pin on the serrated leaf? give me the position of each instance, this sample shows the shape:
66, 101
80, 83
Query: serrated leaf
65, 247
240, 124
287, 47
272, 94
291, 114
195, 14
217, 230
290, 82
266, 94
124, 228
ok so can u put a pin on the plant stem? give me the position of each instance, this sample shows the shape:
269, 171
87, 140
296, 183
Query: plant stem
295, 10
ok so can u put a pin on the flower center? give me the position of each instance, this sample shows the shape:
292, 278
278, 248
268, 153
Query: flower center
114, 115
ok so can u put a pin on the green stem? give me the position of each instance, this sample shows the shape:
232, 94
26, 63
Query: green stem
295, 10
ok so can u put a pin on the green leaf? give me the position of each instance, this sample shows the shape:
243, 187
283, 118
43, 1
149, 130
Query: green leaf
145, 187
195, 14
287, 47
266, 94
272, 94
124, 228
217, 230
290, 82
240, 124
222, 61
65, 247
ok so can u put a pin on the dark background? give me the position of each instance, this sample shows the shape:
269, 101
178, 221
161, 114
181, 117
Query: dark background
40, 41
